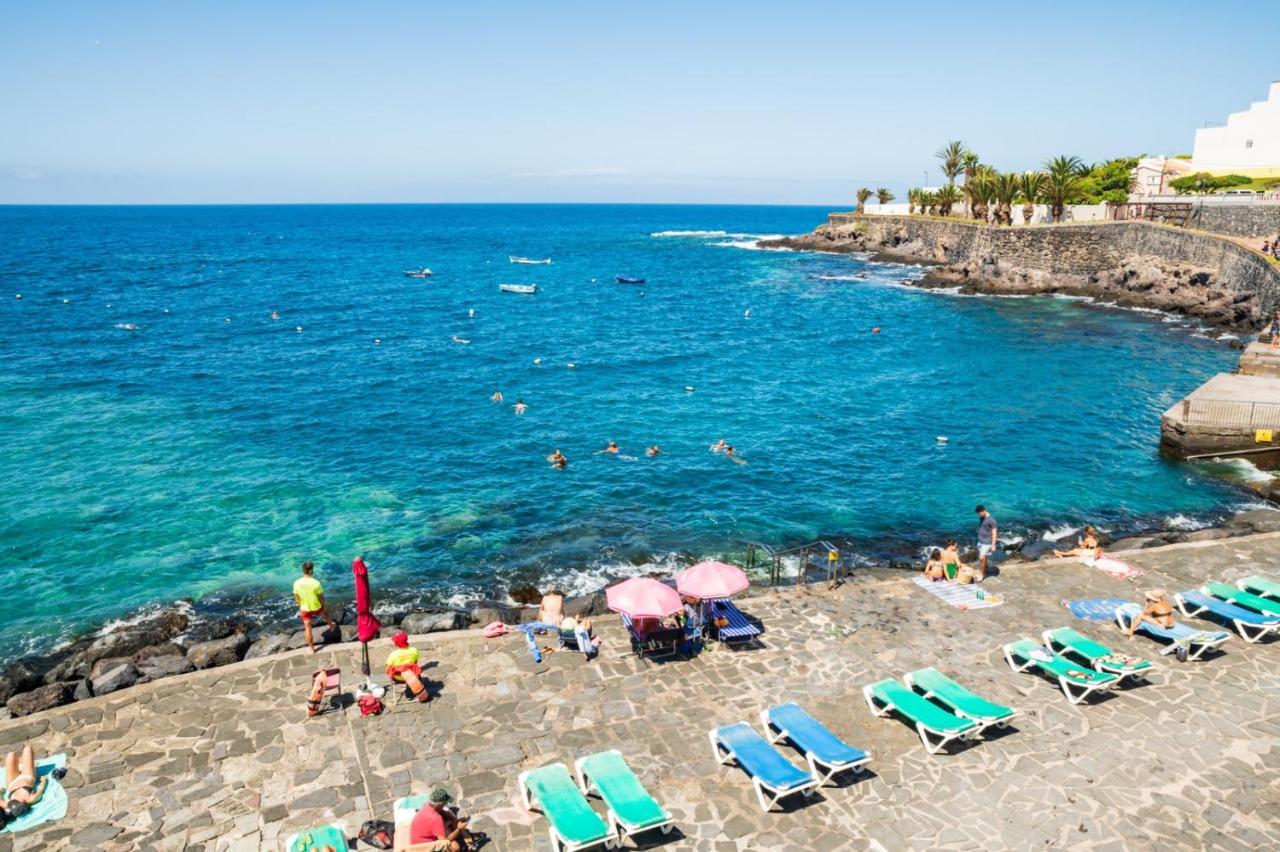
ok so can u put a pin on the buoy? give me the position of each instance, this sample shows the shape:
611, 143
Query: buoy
688, 388
166, 310
746, 314
941, 439
471, 313
537, 360
66, 301
570, 365
377, 341
19, 298
224, 319
297, 328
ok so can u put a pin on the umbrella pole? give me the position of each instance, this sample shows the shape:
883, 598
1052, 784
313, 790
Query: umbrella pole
364, 662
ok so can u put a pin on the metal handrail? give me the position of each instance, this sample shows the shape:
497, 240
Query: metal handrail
1223, 412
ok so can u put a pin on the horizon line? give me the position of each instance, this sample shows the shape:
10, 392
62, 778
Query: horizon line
411, 204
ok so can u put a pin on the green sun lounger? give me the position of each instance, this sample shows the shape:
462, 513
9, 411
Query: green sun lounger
1242, 598
631, 808
936, 686
1260, 586
572, 824
333, 834
1100, 658
936, 726
1076, 683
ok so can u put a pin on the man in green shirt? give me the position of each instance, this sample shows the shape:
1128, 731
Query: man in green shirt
309, 594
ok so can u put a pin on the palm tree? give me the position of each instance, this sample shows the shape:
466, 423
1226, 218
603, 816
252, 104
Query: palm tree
978, 192
1030, 188
1006, 191
947, 197
863, 195
913, 198
1062, 185
970, 163
952, 158
884, 196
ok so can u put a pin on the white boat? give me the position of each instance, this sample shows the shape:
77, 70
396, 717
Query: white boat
546, 261
526, 289
418, 273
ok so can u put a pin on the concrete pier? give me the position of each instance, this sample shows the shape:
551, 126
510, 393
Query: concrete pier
1259, 359
1232, 414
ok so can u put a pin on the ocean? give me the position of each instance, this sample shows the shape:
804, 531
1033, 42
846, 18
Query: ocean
165, 437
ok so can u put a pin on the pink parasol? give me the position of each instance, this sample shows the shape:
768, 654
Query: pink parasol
711, 580
641, 597
367, 626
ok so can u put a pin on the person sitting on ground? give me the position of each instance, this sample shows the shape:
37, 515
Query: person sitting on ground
551, 608
558, 458
1158, 611
403, 667
309, 595
21, 789
951, 558
935, 569
1086, 546
435, 827
583, 633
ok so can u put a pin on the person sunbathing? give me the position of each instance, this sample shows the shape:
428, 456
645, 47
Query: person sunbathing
1158, 611
21, 789
403, 667
951, 558
551, 609
1087, 545
935, 569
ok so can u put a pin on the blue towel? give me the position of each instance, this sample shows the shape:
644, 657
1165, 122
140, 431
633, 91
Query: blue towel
1095, 609
52, 805
529, 630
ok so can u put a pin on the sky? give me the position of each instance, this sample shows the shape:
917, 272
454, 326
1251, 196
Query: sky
663, 102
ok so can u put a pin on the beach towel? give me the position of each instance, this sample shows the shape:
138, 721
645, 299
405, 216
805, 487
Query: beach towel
960, 597
52, 805
1113, 568
1094, 609
528, 630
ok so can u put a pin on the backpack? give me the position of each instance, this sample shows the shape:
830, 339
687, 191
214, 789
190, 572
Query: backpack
378, 833
370, 706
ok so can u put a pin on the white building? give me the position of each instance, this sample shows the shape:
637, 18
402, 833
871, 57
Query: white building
1248, 144
1152, 175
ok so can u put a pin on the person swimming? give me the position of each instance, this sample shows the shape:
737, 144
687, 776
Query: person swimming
718, 446
558, 459
497, 396
612, 448
521, 408
275, 315
654, 451
730, 454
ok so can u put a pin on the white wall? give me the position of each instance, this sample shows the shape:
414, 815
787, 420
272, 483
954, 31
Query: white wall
1075, 212
1250, 141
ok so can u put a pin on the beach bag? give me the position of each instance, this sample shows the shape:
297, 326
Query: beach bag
378, 833
964, 576
370, 705
495, 629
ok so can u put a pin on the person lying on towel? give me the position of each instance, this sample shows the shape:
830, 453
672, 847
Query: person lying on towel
402, 667
21, 789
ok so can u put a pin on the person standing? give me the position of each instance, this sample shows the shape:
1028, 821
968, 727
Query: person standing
987, 530
309, 594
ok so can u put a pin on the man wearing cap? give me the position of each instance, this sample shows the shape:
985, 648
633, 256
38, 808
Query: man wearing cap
403, 667
435, 828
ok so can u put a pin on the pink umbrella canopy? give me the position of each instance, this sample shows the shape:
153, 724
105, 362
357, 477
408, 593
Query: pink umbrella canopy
710, 580
642, 597
367, 626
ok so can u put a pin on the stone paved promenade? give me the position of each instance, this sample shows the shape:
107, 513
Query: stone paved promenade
223, 759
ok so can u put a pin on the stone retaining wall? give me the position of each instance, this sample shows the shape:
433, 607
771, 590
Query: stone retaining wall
1240, 220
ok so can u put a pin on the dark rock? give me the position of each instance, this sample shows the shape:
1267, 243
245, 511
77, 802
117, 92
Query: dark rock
1258, 520
111, 674
154, 668
345, 633
583, 606
208, 630
1211, 534
42, 698
219, 652
163, 650
75, 667
431, 622
1176, 537
1131, 543
272, 643
20, 676
526, 595
81, 690
491, 612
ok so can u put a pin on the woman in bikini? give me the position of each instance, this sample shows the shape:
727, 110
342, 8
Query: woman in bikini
1087, 545
20, 788
935, 569
1158, 611
951, 560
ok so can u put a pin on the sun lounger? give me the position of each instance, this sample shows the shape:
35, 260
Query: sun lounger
1076, 683
739, 629
334, 834
820, 747
1194, 642
1261, 586
936, 727
1241, 598
631, 808
936, 686
661, 643
1252, 626
771, 774
1099, 657
572, 824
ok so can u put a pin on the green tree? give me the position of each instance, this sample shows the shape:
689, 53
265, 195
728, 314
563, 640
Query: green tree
1030, 188
863, 195
1112, 180
1203, 183
1006, 190
979, 190
951, 156
1062, 184
884, 196
970, 164
946, 198
913, 198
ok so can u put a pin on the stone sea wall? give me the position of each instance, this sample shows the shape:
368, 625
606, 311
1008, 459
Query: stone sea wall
1135, 264
1241, 220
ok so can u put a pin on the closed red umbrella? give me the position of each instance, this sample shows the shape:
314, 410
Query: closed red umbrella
367, 626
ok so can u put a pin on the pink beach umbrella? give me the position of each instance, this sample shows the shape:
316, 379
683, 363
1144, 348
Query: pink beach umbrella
711, 580
642, 597
367, 626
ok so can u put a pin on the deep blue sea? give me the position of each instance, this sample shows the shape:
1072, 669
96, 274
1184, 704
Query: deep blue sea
165, 437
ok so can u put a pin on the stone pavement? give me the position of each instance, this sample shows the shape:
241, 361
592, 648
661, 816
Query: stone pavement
224, 760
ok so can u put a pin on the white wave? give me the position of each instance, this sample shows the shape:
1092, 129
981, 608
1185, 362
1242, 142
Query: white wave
143, 614
858, 277
1246, 470
690, 234
1060, 532
1182, 522
751, 245
582, 581
1011, 539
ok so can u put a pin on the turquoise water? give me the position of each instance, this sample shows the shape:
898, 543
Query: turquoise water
209, 450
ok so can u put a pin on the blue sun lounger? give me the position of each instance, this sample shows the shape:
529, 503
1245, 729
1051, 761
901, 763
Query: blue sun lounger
738, 629
1251, 626
820, 747
772, 775
1196, 642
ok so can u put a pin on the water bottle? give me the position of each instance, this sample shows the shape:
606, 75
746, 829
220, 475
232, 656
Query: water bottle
982, 596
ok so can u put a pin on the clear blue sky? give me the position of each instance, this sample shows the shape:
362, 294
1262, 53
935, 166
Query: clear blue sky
794, 102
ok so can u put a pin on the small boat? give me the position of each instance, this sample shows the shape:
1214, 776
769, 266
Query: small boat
527, 289
622, 279
546, 261
418, 273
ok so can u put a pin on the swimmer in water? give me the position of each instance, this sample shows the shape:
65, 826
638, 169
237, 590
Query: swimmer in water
558, 459
654, 451
521, 408
612, 449
729, 452
275, 315
497, 396
719, 446
875, 329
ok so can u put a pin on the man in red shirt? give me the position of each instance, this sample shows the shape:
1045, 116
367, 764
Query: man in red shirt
435, 827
